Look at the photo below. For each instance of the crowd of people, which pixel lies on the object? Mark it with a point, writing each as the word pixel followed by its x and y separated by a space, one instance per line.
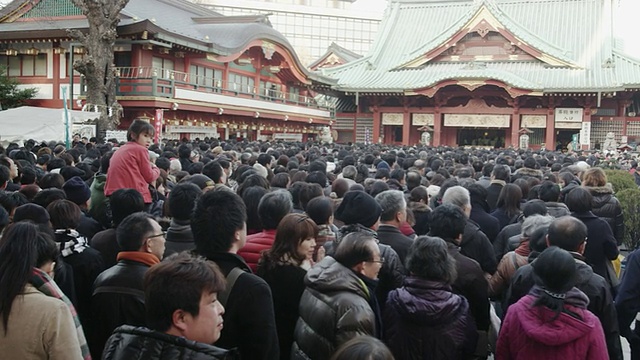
pixel 209 249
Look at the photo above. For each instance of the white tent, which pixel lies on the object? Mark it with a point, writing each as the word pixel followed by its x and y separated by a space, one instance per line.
pixel 40 124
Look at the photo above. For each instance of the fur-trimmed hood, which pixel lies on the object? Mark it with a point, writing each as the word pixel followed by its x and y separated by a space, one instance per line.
pixel 600 190
pixel 526 172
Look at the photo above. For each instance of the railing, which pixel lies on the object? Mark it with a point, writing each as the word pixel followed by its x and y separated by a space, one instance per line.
pixel 158 82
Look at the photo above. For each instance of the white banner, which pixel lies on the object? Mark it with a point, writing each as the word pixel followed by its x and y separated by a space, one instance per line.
pixel 585 133
pixel 569 114
pixel 473 120
pixel 119 135
pixel 191 129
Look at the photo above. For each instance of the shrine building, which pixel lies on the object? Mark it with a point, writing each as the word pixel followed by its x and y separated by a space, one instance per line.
pixel 479 73
pixel 205 73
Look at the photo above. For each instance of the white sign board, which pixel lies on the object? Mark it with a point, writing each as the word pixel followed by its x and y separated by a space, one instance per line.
pixel 569 114
pixel 189 129
pixel 287 137
pixel 84 130
pixel 585 134
pixel 119 135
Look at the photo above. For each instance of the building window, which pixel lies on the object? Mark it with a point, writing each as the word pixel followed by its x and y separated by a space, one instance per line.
pixel 270 90
pixel 25 65
pixel 122 59
pixel 206 77
pixel 241 83
pixel 164 67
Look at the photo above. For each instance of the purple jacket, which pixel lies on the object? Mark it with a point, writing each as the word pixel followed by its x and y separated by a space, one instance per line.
pixel 425 320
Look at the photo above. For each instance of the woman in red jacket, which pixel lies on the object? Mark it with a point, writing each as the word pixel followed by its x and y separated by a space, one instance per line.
pixel 552 321
pixel 130 166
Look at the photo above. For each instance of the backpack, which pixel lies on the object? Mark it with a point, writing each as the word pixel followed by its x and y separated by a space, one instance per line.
pixel 233 275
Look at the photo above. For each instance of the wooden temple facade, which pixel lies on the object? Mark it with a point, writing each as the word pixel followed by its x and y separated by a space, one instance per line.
pixel 207 74
pixel 478 73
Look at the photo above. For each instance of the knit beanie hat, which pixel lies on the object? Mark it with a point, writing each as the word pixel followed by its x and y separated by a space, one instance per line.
pixel 358 207
pixel 383 165
pixel 77 190
pixel 33 212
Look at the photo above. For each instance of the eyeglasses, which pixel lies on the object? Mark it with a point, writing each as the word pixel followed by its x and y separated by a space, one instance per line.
pixel 163 234
pixel 381 261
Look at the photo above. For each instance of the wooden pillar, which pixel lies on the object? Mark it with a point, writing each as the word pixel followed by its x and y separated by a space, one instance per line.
pixel 515 127
pixel 437 127
pixel 377 120
pixel 225 77
pixel 550 138
pixel 406 126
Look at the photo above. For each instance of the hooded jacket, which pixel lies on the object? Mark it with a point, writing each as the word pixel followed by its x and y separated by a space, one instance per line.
pixel 128 342
pixel 179 237
pixel 334 308
pixel 607 206
pixel 529 332
pixel 593 285
pixel 425 320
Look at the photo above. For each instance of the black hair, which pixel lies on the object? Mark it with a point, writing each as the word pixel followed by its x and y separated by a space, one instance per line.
pixel 308 192
pixel 555 271
pixel 178 283
pixel 363 348
pixel 292 231
pixel 64 214
pixel 579 200
pixel 509 200
pixel 549 191
pixel 138 127
pixel 215 220
pixel 47 196
pixel 5 175
pixel 131 232
pixel 124 202
pixel 501 172
pixel 182 200
pixel 280 180
pixel 11 200
pixel 317 177
pixel 447 221
pixel 273 207
pixel 213 170
pixel 320 209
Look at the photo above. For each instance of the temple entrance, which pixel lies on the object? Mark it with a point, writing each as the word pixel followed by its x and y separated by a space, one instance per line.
pixel 481 137
pixel 564 137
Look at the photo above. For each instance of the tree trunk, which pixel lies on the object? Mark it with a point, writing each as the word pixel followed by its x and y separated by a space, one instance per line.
pixel 97 65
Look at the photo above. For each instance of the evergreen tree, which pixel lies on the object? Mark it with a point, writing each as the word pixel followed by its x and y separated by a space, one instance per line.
pixel 11 95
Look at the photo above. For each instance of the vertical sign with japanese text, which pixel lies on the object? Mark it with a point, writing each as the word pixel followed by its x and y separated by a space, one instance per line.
pixel 157 125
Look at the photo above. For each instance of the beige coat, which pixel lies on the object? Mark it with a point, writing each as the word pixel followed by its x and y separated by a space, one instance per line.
pixel 40 327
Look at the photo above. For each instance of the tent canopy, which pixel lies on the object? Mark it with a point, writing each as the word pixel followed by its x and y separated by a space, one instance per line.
pixel 40 124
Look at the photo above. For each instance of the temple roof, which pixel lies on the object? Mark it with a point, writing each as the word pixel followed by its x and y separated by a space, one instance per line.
pixel 334 56
pixel 565 45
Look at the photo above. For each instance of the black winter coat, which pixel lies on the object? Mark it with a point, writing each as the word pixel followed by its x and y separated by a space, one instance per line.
pixel 391 235
pixel 179 237
pixel 501 245
pixel 487 223
pixel 249 320
pixel 139 343
pixel 426 320
pixel 421 213
pixel 493 192
pixel 593 285
pixel 118 299
pixel 607 206
pixel 601 244
pixel 477 246
pixel 334 308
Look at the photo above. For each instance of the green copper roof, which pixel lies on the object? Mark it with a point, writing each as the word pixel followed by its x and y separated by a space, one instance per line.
pixel 576 32
pixel 52 8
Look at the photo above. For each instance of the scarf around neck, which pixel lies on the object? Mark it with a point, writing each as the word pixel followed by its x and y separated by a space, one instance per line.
pixel 74 243
pixel 45 284
pixel 139 256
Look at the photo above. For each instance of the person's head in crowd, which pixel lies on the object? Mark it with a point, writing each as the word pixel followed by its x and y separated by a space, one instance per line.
pixel 28 176
pixel 317 177
pixel 11 200
pixel 399 175
pixel 533 223
pixel 273 207
pixel 419 195
pixel 318 165
pixel 215 172
pixel 487 169
pixel 376 187
pixel 141 232
pixel 308 192
pixel 280 181
pixel 251 197
pixel 320 210
pixel 565 178
pixel 579 200
pixel 182 200
pixel 538 239
pixel 339 187
pixel 64 215
pixel 283 160
pixel 4 177
pixel 358 207
pixel 394 207
pixel 163 163
pixel 11 165
pixel 363 348
pixel 555 167
pixel 201 181
pixel 294 242
pixel 184 152
pixel 568 233
pixel 549 191
pixel 448 221
pixel 32 212
pixel 363 173
pixel 382 174
pixel 534 207
pixel 429 259
pixel 265 160
pixel 458 196
pixel 413 180
pixel 501 172
pixel 77 191
pixel 195 168
pixel 56 164
pixel 359 252
pixel 47 196
pixel 253 180
pixel 509 199
pixel 124 202
pixel 175 166
pixel 349 172
pixel 555 271
pixel 218 223
pixel 477 194
pixel 67 158
pixel 299 176
pixel 594 177
pixel 181 298
pixel 68 172
pixel 464 172
pixel 523 184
